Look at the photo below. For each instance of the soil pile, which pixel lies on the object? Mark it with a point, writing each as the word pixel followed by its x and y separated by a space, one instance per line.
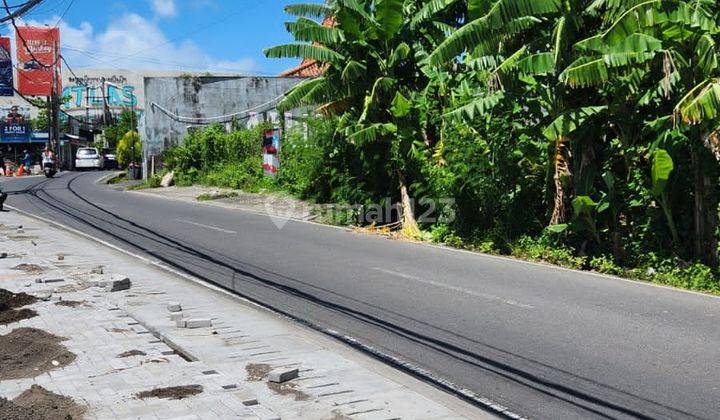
pixel 29 268
pixel 12 315
pixel 9 301
pixel 257 371
pixel 37 403
pixel 72 303
pixel 28 352
pixel 173 392
pixel 131 353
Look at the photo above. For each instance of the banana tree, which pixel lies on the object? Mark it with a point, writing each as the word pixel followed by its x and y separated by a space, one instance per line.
pixel 669 47
pixel 521 41
pixel 373 57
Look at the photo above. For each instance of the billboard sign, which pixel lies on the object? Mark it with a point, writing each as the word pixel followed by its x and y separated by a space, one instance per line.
pixel 6 68
pixel 15 127
pixel 37 58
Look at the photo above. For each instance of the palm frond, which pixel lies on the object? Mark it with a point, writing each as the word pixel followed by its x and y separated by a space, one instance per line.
pixel 314 52
pixel 478 36
pixel 570 121
pixel 310 31
pixel 353 70
pixel 294 97
pixel 309 9
pixel 373 132
pixel 389 15
pixel 706 52
pixel 479 106
pixel 400 53
pixel 655 13
pixel 428 10
pixel 702 103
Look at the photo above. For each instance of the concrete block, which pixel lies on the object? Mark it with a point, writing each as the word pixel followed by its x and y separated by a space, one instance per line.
pixel 167 179
pixel 198 323
pixel 117 284
pixel 281 375
pixel 181 323
pixel 176 316
pixel 49 280
pixel 44 295
pixel 174 307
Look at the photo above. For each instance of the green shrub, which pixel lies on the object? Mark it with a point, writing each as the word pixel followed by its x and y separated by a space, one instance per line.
pixel 605 265
pixel 541 249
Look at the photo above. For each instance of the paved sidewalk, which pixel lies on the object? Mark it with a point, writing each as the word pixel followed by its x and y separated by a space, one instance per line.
pixel 125 342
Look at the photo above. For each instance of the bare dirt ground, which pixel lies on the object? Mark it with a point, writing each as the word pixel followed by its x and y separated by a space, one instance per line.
pixel 9 302
pixel 131 353
pixel 28 352
pixel 172 393
pixel 37 403
pixel 29 268
pixel 257 371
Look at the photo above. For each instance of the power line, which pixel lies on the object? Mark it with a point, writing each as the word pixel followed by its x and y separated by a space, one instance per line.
pixel 77 79
pixel 21 9
pixel 94 55
pixel 64 13
pixel 219 118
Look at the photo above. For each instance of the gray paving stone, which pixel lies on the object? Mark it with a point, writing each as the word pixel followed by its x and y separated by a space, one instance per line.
pixel 281 375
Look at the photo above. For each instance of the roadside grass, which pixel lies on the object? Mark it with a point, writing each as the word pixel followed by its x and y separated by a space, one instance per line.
pixel 118 179
pixel 217 196
pixel 151 182
pixel 652 268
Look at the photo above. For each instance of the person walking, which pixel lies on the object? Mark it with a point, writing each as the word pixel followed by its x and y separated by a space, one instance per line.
pixel 27 161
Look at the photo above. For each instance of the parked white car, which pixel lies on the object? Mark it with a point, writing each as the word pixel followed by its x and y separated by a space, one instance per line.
pixel 89 158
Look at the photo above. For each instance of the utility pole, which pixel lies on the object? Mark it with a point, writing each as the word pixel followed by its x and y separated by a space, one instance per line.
pixel 54 111
pixel 107 117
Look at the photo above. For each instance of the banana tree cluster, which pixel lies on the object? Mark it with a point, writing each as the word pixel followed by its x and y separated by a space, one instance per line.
pixel 373 54
pixel 625 96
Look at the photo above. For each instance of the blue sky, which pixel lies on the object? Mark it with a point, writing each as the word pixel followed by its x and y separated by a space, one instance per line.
pixel 185 35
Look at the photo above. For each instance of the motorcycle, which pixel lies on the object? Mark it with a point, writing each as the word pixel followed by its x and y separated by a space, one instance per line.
pixel 49 167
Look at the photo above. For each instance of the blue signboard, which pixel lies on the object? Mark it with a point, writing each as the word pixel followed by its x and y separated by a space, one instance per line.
pixel 15 133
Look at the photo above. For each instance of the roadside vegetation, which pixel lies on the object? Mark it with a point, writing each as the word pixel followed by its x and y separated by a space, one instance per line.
pixel 583 134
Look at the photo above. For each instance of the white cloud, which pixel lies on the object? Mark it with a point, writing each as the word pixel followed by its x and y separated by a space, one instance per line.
pixel 134 42
pixel 164 8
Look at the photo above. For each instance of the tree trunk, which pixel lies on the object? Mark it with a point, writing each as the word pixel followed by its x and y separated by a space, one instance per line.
pixel 698 203
pixel 410 228
pixel 561 177
pixel 705 207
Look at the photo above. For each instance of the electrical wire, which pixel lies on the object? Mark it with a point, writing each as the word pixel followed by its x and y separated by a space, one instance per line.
pixel 77 79
pixel 21 10
pixel 216 119
pixel 64 13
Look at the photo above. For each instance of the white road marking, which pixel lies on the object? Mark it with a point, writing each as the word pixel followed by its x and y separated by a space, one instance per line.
pixel 455 288
pixel 205 226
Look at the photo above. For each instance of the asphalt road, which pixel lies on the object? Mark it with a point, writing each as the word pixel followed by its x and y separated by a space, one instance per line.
pixel 544 342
